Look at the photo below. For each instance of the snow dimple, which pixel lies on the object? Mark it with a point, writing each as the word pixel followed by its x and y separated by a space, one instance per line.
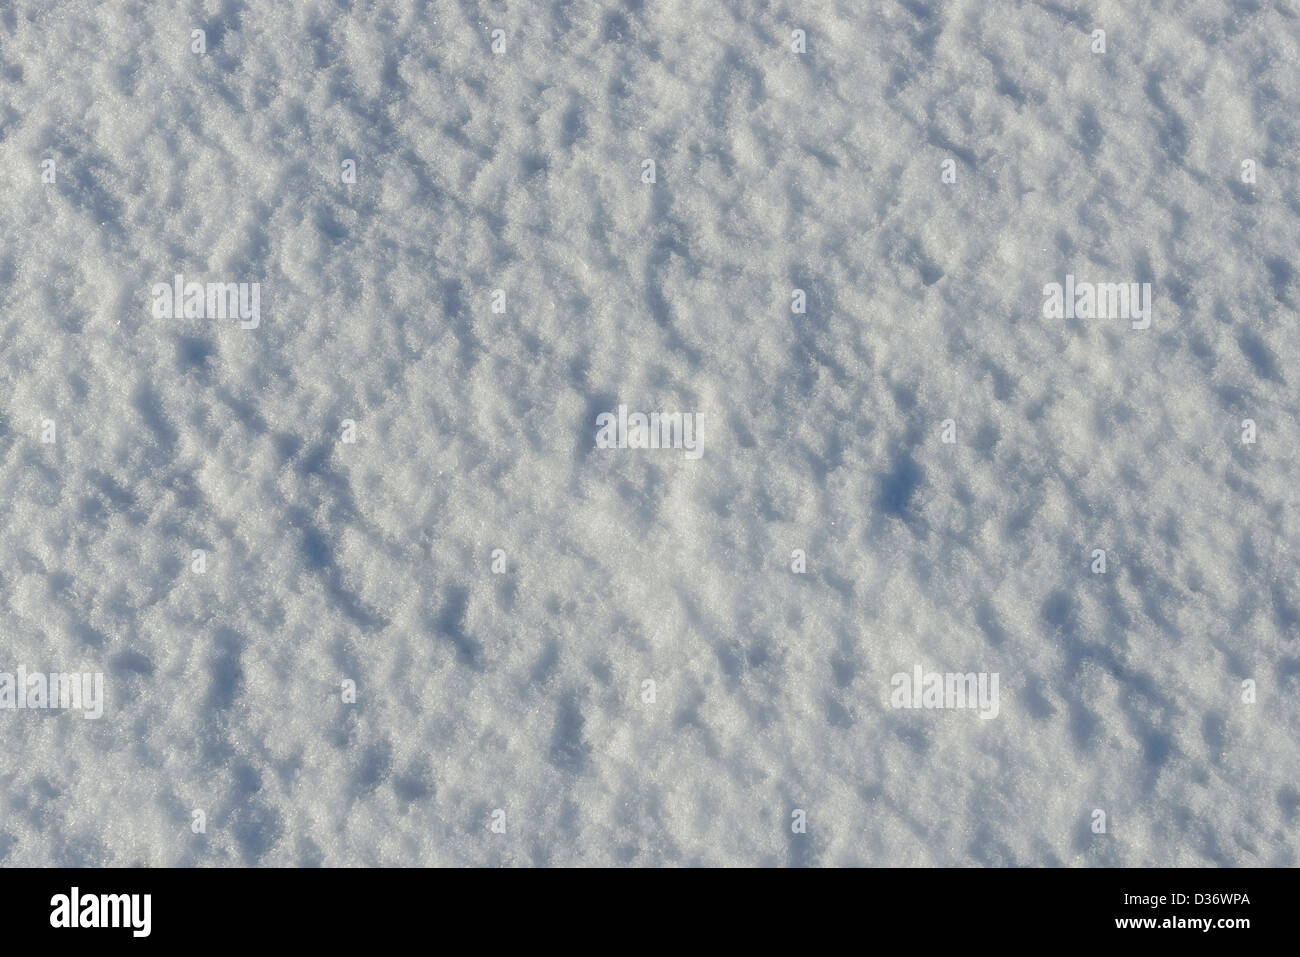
pixel 899 485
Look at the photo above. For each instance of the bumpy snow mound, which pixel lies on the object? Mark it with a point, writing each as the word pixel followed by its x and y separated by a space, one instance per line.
pixel 522 169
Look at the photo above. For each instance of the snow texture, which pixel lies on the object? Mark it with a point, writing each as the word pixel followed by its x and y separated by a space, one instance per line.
pixel 522 170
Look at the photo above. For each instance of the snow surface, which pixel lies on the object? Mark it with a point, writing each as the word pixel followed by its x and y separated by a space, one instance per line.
pixel 775 170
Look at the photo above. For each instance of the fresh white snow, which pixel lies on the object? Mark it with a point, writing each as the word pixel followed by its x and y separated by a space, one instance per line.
pixel 348 467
